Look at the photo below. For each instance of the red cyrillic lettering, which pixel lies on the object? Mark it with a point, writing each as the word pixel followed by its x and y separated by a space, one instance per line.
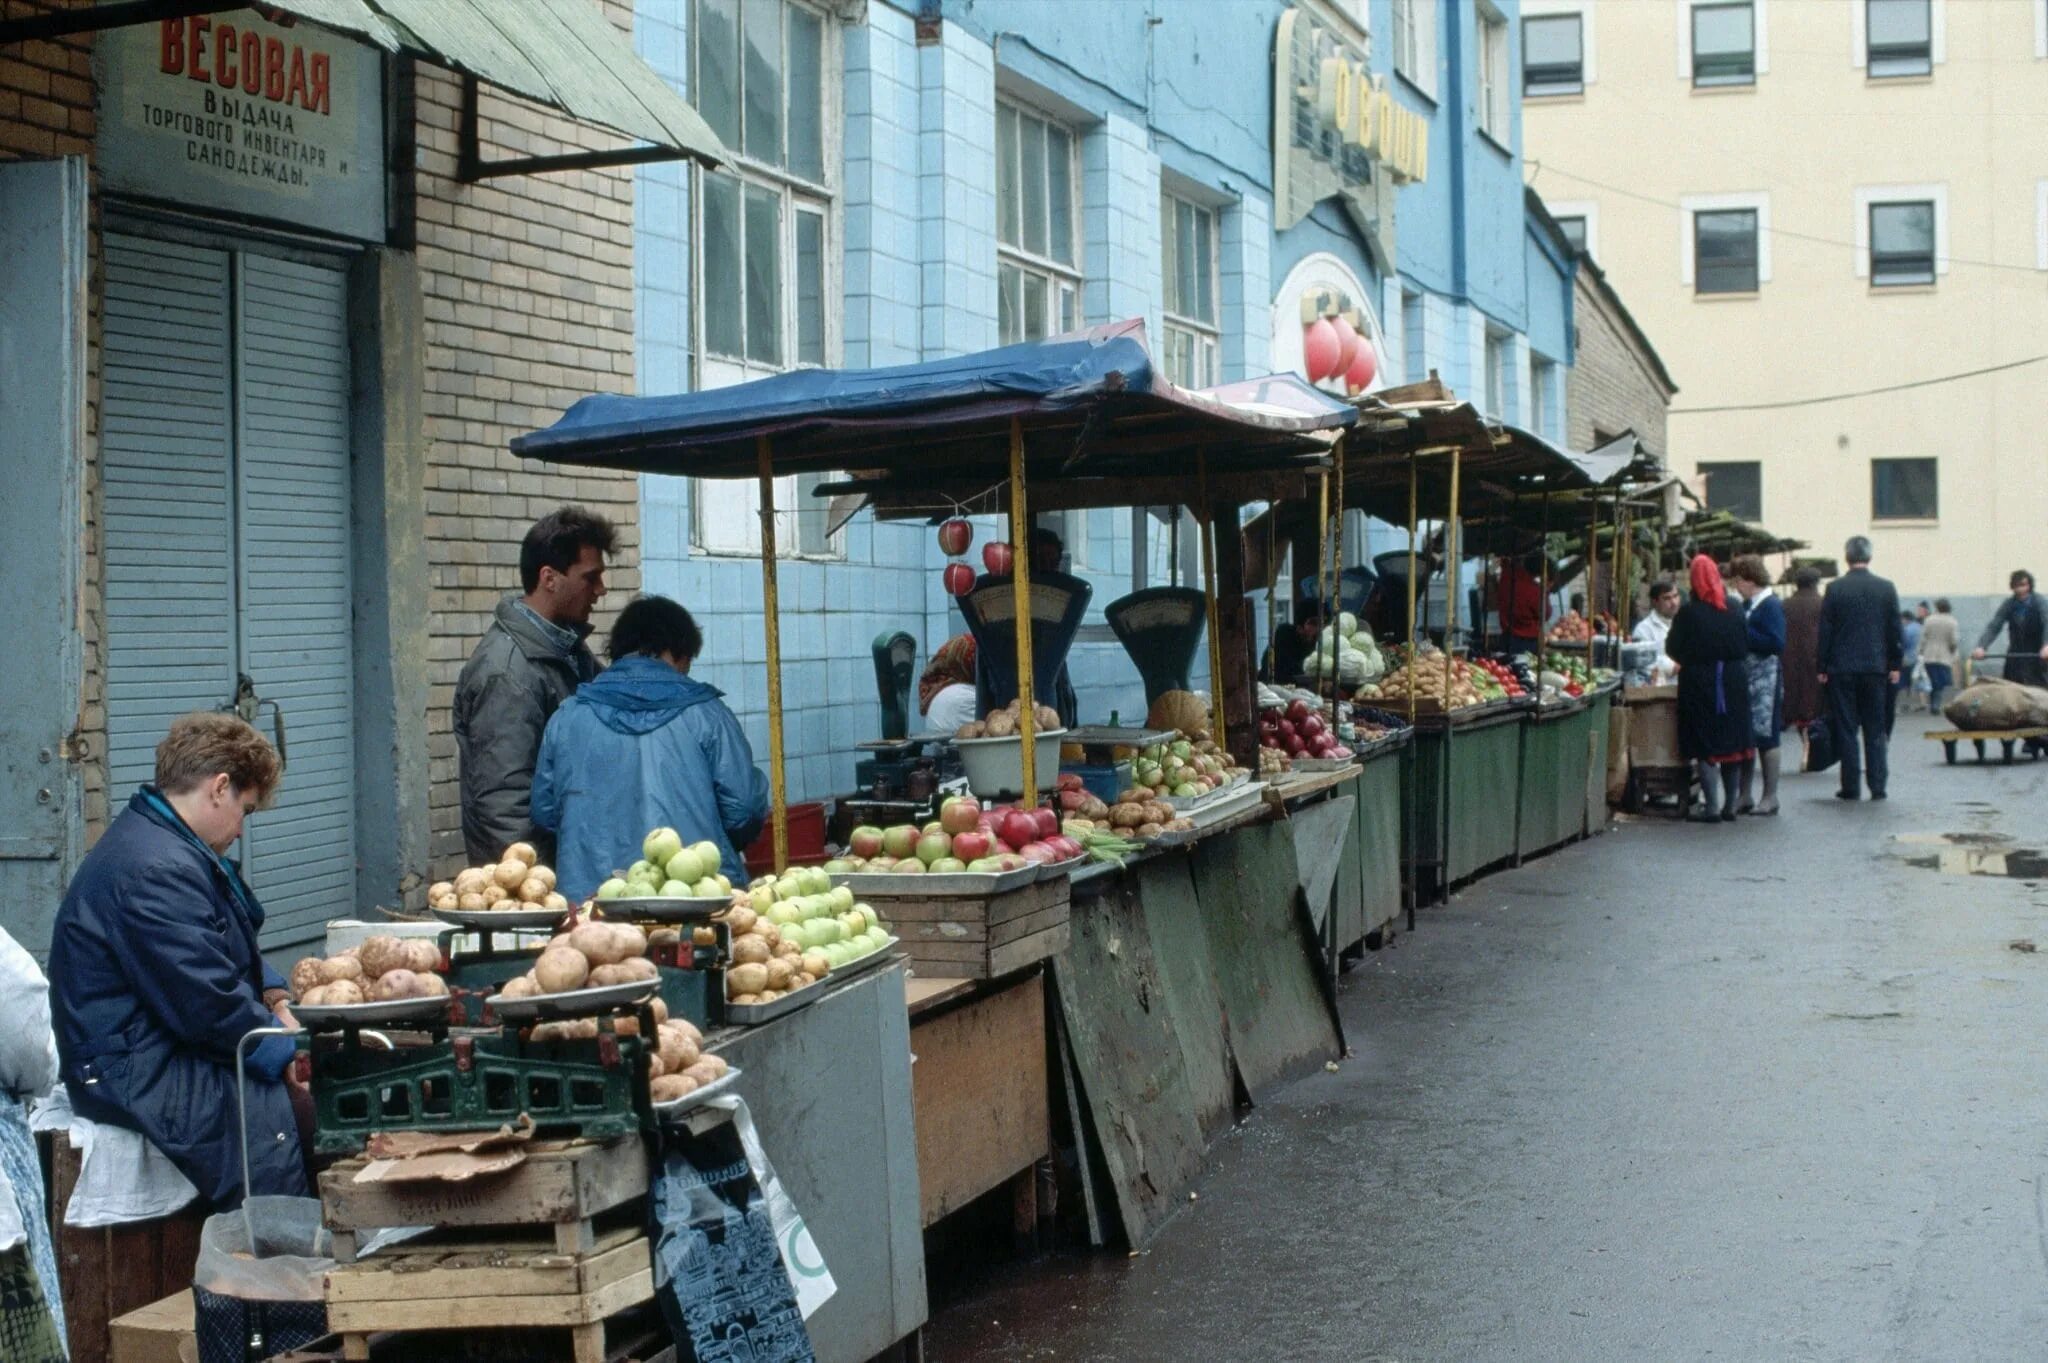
pixel 320 74
pixel 252 60
pixel 296 92
pixel 224 56
pixel 273 69
pixel 196 44
pixel 171 34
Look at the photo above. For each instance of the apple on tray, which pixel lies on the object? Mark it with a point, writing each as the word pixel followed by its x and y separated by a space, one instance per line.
pixel 865 842
pixel 900 841
pixel 960 814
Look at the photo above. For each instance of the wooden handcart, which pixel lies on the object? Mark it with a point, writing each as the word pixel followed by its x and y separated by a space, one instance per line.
pixel 2005 738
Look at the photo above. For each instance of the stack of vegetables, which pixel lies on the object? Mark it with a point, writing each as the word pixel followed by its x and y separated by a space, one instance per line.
pixel 1564 675
pixel 1186 768
pixel 1347 653
pixel 1423 676
pixel 1296 730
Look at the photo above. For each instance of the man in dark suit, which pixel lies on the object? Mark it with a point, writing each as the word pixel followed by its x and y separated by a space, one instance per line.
pixel 1861 651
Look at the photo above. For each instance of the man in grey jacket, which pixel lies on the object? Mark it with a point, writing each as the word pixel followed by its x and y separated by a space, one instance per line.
pixel 529 661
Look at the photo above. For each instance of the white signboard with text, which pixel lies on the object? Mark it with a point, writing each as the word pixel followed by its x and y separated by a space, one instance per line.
pixel 235 113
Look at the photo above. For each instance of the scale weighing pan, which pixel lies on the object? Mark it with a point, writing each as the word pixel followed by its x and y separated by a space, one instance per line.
pixel 753 1014
pixel 496 920
pixel 678 910
pixel 573 1003
pixel 674 1108
pixel 330 1017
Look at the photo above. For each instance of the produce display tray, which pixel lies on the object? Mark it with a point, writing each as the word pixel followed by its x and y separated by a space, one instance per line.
pixel 332 1017
pixel 676 1108
pixel 1103 736
pixel 1219 808
pixel 693 910
pixel 754 1014
pixel 502 920
pixel 1385 743
pixel 1188 804
pixel 946 883
pixel 574 1003
pixel 1325 763
pixel 1052 870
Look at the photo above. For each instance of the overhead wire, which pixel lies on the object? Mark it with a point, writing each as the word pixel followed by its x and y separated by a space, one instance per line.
pixel 1861 392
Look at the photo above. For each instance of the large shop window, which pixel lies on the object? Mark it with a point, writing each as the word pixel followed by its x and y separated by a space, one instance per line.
pixel 1188 248
pixel 1904 489
pixel 1724 251
pixel 1494 92
pixel 1899 37
pixel 1553 54
pixel 1038 277
pixel 1724 44
pixel 767 234
pixel 1735 486
pixel 1902 243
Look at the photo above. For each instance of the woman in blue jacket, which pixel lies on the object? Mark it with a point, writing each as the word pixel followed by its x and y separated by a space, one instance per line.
pixel 645 746
pixel 155 973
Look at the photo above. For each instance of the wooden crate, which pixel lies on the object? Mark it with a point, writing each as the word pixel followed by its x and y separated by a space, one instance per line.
pixel 562 1185
pixel 978 937
pixel 439 1287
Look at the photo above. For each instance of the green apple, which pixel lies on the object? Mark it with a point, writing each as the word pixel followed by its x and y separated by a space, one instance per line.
pixel 842 898
pixel 788 887
pixel 816 881
pixel 662 844
pixel 611 889
pixel 762 897
pixel 782 913
pixel 674 889
pixel 708 853
pixel 644 870
pixel 724 885
pixel 852 922
pixel 687 867
pixel 873 919
pixel 707 888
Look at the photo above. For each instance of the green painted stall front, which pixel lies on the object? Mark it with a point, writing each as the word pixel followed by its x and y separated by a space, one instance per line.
pixel 1466 823
pixel 1370 882
pixel 1599 718
pixel 1555 749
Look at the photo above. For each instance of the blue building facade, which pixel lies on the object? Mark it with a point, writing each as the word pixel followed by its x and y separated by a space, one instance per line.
pixel 920 181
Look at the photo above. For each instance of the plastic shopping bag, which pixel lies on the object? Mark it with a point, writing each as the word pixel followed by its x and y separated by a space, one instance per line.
pixel 257 1299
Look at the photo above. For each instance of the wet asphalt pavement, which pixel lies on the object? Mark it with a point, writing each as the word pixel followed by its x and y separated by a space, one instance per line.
pixel 1760 1092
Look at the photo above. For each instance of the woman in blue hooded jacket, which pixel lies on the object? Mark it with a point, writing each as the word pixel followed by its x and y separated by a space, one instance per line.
pixel 645 746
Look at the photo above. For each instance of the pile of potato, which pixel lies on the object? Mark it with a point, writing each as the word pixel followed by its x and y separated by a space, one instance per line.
pixel 381 969
pixel 765 964
pixel 586 957
pixel 1424 678
pixel 1004 723
pixel 517 882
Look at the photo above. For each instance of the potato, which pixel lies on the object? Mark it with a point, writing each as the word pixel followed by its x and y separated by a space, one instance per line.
pixel 767 932
pixel 306 974
pixel 700 937
pixel 802 978
pixel 815 965
pixel 670 1087
pixel 685 1027
pixel 707 1069
pixel 637 968
pixel 744 998
pixel 740 920
pixel 444 901
pixel 655 1069
pixel 631 940
pixel 561 969
pixel 431 985
pixel 626 1026
pixel 341 968
pixel 519 987
pixel 658 1008
pixel 560 939
pixel 779 975
pixel 770 995
pixel 751 949
pixel 473 902
pixel 494 895
pixel 678 1053
pixel 665 937
pixel 551 900
pixel 786 950
pixel 440 888
pixel 422 954
pixel 379 954
pixel 396 984
pixel 522 851
pixel 345 992
pixel 314 996
pixel 510 875
pixel 749 978
pixel 603 975
pixel 596 942
pixel 531 890
pixel 544 874
pixel 472 881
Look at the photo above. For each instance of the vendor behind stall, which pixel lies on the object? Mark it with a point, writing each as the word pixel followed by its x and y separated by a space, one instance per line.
pixel 945 693
pixel 1293 641
pixel 157 975
pixel 645 746
pixel 1523 608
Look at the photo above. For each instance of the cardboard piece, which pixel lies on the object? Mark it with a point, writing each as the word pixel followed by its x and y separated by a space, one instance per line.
pixel 412 1144
pixel 153 1333
pixel 446 1166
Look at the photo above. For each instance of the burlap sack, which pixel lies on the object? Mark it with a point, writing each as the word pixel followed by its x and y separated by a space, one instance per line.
pixel 1992 704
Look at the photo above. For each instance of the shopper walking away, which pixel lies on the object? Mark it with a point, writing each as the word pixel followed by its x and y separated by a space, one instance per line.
pixel 2026 616
pixel 1861 650
pixel 531 659
pixel 1941 643
pixel 1803 700
pixel 1710 644
pixel 1764 618
pixel 1909 663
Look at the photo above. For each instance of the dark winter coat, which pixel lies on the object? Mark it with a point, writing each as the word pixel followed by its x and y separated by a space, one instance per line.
pixel 1860 630
pixel 1802 656
pixel 1711 648
pixel 509 689
pixel 154 976
pixel 2028 621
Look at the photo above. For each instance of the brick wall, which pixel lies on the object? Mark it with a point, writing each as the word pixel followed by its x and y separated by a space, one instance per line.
pixel 528 302
pixel 1611 387
pixel 46 110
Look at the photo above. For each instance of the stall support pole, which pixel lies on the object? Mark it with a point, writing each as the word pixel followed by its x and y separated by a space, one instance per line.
pixel 778 784
pixel 1205 519
pixel 1323 581
pixel 1543 612
pixel 1454 541
pixel 1410 890
pixel 1020 585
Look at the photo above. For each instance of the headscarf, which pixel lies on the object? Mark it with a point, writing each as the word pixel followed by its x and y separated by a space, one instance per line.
pixel 951 665
pixel 1706 583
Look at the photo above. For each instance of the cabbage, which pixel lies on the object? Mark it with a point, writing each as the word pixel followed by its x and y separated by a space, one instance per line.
pixel 1347 624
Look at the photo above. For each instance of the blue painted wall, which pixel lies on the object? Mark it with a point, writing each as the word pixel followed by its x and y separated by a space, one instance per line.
pixel 1190 95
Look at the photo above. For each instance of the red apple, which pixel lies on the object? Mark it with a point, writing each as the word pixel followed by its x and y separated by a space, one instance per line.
pixel 899 841
pixel 909 866
pixel 972 846
pixel 954 537
pixel 932 846
pixel 865 841
pixel 1311 727
pixel 995 556
pixel 959 579
pixel 1047 819
pixel 960 814
pixel 1010 861
pixel 1018 828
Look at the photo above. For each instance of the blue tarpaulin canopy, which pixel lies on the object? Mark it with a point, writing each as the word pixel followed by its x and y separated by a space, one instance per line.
pixel 1091 405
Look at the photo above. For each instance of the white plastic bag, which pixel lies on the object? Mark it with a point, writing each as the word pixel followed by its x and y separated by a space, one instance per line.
pixel 800 1257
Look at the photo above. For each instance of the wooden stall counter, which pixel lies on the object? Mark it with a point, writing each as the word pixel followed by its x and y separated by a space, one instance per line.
pixel 983 1102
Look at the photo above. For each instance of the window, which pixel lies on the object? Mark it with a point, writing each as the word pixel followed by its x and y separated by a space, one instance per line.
pixel 1543 399
pixel 1899 37
pixel 1415 43
pixel 766 235
pixel 1496 374
pixel 1574 228
pixel 1724 44
pixel 1901 243
pixel 1038 287
pixel 1724 251
pixel 1188 254
pixel 1415 338
pixel 1903 490
pixel 1736 487
pixel 1553 54
pixel 1493 76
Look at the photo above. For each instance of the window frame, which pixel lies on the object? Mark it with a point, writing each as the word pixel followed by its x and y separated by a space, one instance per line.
pixel 1867 50
pixel 1060 281
pixel 1751 511
pixel 1496 76
pixel 1543 404
pixel 1586 211
pixel 1868 195
pixel 1205 336
pixel 1733 80
pixel 1755 251
pixel 1692 204
pixel 1918 278
pixel 1415 45
pixel 731 503
pixel 1565 79
pixel 1879 517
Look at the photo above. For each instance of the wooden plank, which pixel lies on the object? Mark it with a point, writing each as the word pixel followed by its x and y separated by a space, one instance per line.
pixel 980 1087
pixel 482 1312
pixel 1001 933
pixel 1194 1008
pixel 1025 951
pixel 928 992
pixel 566 1184
pixel 1320 831
pixel 433 1275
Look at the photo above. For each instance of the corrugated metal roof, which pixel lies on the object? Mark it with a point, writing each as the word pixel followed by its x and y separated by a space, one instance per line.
pixel 561 53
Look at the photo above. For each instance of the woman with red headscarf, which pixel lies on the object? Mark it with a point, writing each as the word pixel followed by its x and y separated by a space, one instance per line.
pixel 945 693
pixel 1710 644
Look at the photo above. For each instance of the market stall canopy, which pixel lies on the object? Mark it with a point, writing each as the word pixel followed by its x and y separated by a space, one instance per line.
pixel 1721 536
pixel 561 53
pixel 1501 468
pixel 1099 422
pixel 1621 462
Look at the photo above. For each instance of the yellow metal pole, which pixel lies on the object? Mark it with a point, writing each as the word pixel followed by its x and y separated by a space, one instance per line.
pixel 778 783
pixel 1454 544
pixel 1323 566
pixel 1206 520
pixel 1413 673
pixel 1336 592
pixel 1020 584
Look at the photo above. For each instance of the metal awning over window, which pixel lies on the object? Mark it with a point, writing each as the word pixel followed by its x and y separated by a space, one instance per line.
pixel 561 53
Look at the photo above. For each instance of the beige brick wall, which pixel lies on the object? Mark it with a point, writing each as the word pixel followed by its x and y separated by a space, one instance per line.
pixel 528 285
pixel 46 110
pixel 1612 386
